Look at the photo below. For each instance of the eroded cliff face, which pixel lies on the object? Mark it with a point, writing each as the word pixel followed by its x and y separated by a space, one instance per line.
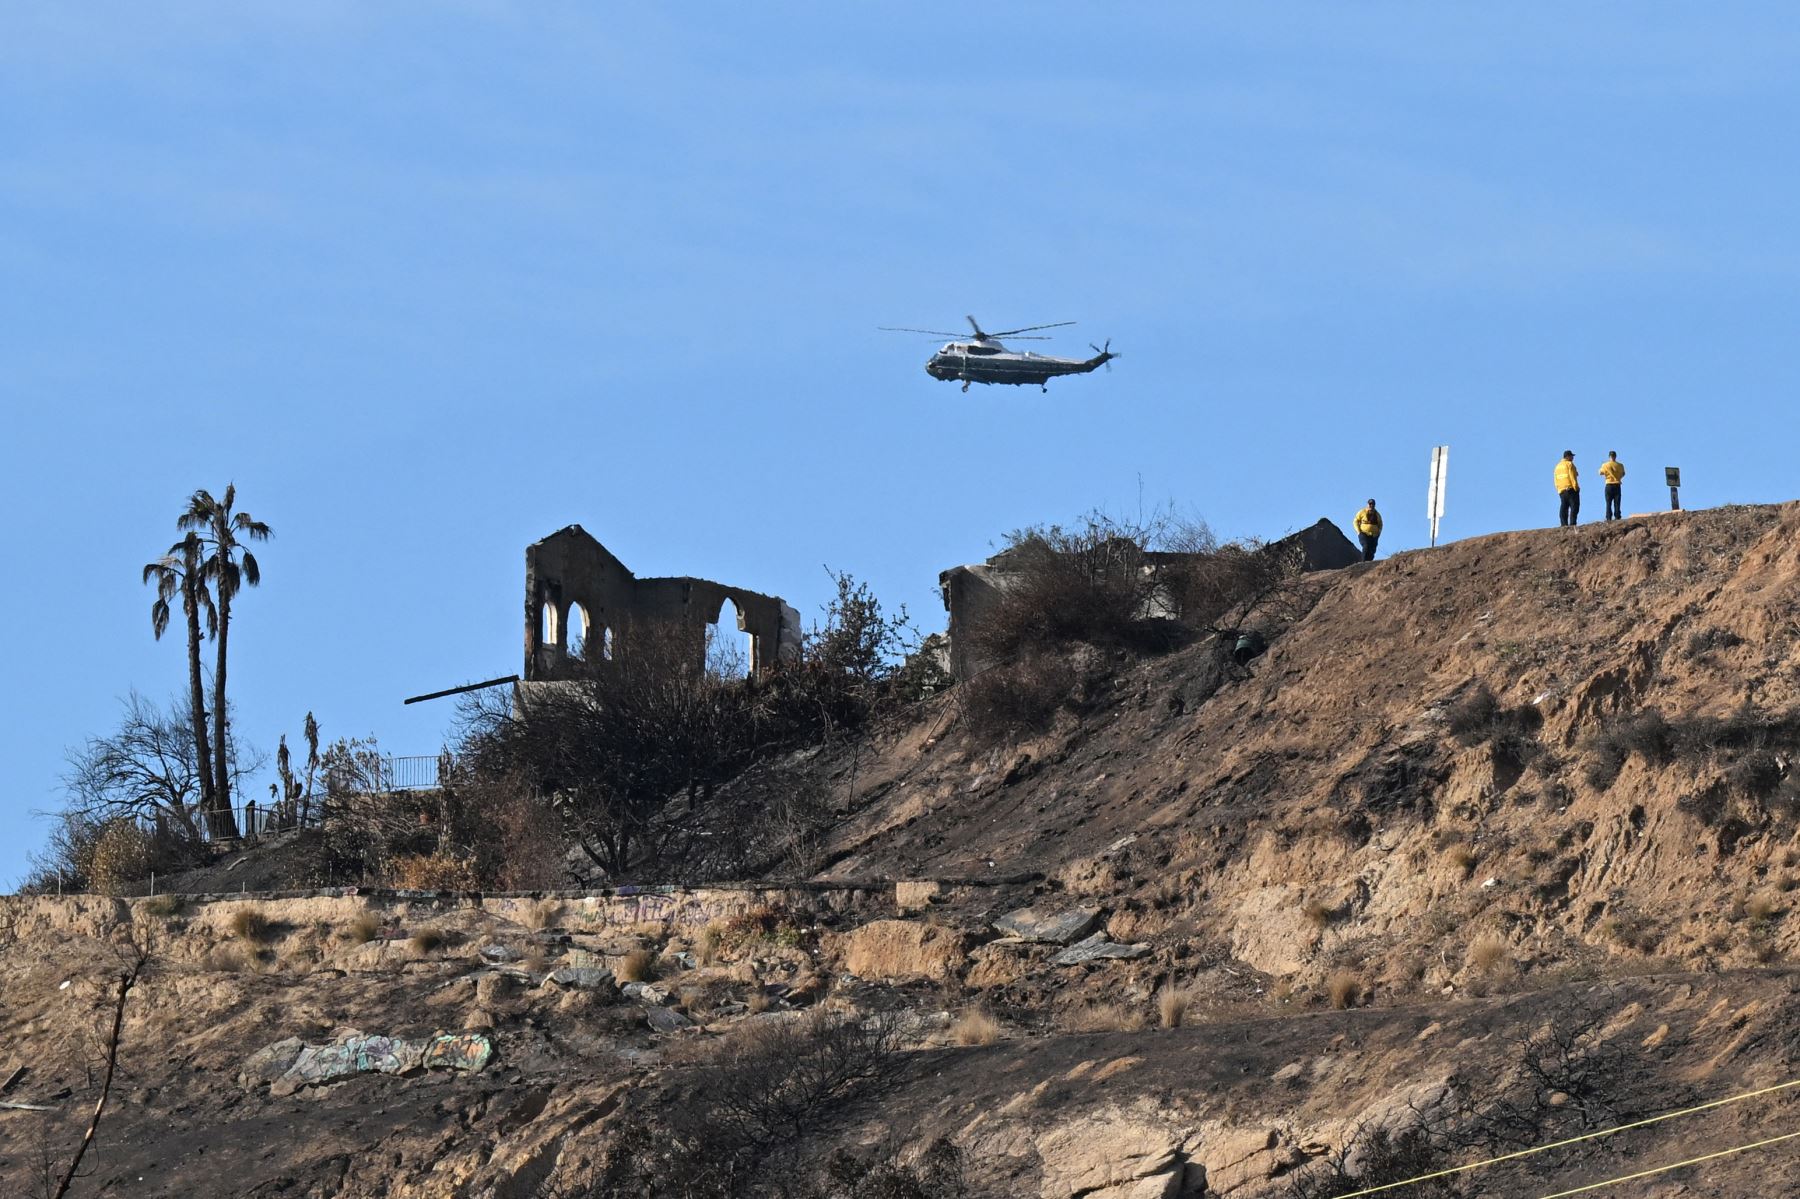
pixel 1430 828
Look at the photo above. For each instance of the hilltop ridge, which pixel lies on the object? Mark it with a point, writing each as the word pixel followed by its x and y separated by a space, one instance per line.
pixel 1497 840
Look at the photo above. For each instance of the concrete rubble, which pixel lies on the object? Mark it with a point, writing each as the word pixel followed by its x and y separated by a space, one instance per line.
pixel 1097 948
pixel 1062 928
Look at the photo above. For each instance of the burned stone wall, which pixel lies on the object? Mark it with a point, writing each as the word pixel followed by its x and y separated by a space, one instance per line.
pixel 574 585
pixel 971 591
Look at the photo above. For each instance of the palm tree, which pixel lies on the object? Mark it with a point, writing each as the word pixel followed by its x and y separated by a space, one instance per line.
pixel 228 566
pixel 177 573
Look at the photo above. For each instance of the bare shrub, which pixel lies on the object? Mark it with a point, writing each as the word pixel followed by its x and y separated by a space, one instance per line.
pixel 163 906
pixel 975 1027
pixel 1765 905
pixel 1479 718
pixel 1646 733
pixel 1020 696
pixel 1488 954
pixel 436 871
pixel 769 1083
pixel 362 930
pixel 124 854
pixel 1344 988
pixel 428 940
pixel 250 925
pixel 1461 858
pixel 1172 1004
pixel 230 959
pixel 1708 640
pixel 706 948
pixel 546 913
pixel 638 966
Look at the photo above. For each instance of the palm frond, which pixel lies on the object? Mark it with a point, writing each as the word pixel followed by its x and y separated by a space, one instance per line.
pixel 159 617
pixel 252 574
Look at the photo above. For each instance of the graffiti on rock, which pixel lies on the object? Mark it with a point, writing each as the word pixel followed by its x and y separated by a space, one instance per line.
pixel 290 1064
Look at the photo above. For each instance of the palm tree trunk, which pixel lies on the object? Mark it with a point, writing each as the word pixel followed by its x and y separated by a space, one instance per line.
pixel 221 779
pixel 190 604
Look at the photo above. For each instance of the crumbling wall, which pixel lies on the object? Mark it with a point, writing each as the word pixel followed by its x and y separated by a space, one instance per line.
pixel 570 569
pixel 971 591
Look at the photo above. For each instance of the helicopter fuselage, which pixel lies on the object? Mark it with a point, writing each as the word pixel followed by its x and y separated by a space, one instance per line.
pixel 990 362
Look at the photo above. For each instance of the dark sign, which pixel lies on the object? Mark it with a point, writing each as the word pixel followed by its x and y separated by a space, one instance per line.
pixel 1672 475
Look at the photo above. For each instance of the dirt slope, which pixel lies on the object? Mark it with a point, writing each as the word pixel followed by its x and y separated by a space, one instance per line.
pixel 1344 825
pixel 1321 811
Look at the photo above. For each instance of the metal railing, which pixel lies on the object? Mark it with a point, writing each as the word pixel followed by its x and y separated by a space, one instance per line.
pixel 417 773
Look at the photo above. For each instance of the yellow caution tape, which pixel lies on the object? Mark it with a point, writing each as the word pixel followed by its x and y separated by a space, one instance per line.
pixel 1692 1161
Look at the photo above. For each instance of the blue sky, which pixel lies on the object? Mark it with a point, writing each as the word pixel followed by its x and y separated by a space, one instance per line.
pixel 429 282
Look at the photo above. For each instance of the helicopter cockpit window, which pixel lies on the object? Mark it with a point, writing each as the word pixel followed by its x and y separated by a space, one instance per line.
pixel 983 350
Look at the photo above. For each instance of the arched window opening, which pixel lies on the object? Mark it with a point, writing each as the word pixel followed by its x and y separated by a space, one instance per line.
pixel 577 631
pixel 548 633
pixel 606 643
pixel 727 646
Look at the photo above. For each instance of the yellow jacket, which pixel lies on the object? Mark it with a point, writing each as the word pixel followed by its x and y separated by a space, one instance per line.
pixel 1566 478
pixel 1369 521
pixel 1612 470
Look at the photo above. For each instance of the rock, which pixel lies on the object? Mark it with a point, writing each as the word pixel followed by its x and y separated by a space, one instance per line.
pixel 314 1065
pixel 581 978
pixel 499 955
pixel 1112 1158
pixel 685 960
pixel 1097 948
pixel 1245 1157
pixel 1287 1073
pixel 904 949
pixel 1063 928
pixel 667 1019
pixel 270 1062
pixel 910 897
pixel 496 989
pixel 649 994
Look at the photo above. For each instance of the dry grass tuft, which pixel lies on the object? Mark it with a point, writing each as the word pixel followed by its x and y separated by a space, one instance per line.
pixel 428 940
pixel 638 966
pixel 435 872
pixel 1488 954
pixel 248 924
pixel 1763 906
pixel 706 949
pixel 362 930
pixel 1172 1005
pixel 163 906
pixel 758 1000
pixel 1344 988
pixel 543 914
pixel 230 959
pixel 1105 1017
pixel 1462 857
pixel 1316 912
pixel 975 1027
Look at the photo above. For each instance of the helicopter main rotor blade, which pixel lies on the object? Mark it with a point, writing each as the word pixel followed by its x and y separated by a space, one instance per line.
pixel 979 335
pixel 929 332
pixel 1027 328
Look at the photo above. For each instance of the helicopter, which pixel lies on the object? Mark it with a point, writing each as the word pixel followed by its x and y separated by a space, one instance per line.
pixel 982 359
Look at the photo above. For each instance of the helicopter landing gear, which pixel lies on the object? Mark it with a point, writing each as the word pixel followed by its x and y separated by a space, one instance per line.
pixel 1044 387
pixel 965 385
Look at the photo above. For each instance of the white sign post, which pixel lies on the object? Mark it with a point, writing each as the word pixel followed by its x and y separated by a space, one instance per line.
pixel 1434 498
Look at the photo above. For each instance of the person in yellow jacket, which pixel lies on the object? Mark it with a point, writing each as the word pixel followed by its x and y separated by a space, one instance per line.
pixel 1568 486
pixel 1613 471
pixel 1368 530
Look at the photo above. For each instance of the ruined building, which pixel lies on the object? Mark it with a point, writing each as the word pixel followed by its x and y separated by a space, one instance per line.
pixel 575 589
pixel 970 591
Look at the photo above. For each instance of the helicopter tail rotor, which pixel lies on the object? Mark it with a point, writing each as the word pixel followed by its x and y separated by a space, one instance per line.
pixel 1103 355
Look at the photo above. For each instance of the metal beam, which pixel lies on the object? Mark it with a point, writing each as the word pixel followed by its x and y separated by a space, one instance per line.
pixel 511 678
